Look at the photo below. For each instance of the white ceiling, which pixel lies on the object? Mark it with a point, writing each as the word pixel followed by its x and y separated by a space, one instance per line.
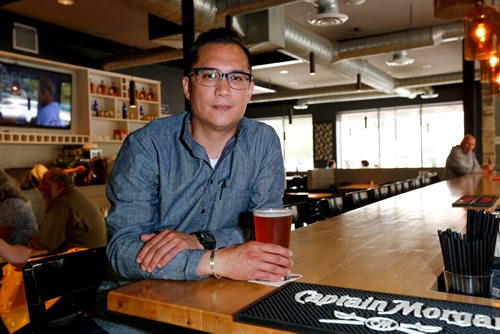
pixel 115 21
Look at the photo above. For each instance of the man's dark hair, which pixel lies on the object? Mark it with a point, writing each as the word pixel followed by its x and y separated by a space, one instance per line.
pixel 59 176
pixel 217 36
pixel 47 85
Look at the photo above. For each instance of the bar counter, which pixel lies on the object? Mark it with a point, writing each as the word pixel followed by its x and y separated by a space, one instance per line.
pixel 389 246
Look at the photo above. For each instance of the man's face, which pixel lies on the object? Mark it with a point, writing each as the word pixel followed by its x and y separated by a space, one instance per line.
pixel 219 107
pixel 44 97
pixel 48 188
pixel 468 144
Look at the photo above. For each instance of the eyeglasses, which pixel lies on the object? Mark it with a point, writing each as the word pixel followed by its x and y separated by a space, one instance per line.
pixel 209 77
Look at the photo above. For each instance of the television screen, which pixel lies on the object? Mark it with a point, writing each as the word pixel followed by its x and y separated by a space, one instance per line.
pixel 33 97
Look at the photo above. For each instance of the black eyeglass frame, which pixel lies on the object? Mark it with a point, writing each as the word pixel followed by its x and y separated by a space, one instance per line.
pixel 222 75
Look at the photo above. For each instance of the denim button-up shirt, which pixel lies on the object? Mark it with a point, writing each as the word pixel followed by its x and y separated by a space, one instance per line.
pixel 162 179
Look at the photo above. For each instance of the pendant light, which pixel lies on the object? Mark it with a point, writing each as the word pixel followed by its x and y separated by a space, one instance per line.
pixel 490 73
pixel 482 30
pixel 131 90
pixel 312 64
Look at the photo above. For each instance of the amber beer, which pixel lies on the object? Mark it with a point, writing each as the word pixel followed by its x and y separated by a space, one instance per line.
pixel 273 226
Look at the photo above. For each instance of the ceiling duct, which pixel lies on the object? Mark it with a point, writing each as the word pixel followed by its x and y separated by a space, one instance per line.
pixel 299 42
pixel 347 97
pixel 208 14
pixel 330 94
pixel 263 30
pixel 328 14
pixel 308 93
pixel 398 41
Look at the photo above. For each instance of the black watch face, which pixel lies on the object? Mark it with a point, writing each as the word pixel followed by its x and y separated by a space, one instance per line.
pixel 207 239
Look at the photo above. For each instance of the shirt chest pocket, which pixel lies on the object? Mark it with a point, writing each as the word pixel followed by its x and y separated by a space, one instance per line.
pixel 234 194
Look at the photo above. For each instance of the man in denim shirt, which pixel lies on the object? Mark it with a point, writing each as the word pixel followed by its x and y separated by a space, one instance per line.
pixel 181 185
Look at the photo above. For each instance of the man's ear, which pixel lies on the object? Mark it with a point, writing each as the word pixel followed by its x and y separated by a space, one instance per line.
pixel 250 91
pixel 186 87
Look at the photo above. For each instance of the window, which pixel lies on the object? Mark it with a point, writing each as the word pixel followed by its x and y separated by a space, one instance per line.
pixel 296 141
pixel 406 137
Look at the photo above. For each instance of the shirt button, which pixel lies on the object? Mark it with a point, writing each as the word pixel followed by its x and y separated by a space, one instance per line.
pixel 211 181
pixel 203 211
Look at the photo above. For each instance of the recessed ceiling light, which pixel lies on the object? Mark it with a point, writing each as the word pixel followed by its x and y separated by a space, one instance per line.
pixel 65 2
pixel 429 93
pixel 300 106
pixel 283 72
pixel 327 19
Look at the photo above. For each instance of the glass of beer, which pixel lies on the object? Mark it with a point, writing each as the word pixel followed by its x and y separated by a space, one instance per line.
pixel 273 226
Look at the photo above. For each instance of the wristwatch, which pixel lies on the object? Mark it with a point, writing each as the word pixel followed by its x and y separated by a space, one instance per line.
pixel 206 238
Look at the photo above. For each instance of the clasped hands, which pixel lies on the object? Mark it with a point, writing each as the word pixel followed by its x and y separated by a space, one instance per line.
pixel 247 261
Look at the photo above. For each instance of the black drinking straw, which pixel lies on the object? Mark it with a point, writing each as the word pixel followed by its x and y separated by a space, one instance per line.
pixel 472 253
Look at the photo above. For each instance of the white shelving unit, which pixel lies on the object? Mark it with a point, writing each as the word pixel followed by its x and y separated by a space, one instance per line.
pixel 109 96
pixel 106 124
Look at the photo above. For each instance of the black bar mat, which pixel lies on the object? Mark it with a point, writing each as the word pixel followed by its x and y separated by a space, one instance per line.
pixel 299 307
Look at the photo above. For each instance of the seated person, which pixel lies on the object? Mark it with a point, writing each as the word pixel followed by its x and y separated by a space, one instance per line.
pixel 70 219
pixel 14 254
pixel 17 220
pixel 98 170
pixel 91 173
pixel 182 186
pixel 462 160
pixel 48 108
pixel 81 172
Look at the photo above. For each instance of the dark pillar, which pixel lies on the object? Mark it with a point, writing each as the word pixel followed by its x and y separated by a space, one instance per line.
pixel 472 106
pixel 187 35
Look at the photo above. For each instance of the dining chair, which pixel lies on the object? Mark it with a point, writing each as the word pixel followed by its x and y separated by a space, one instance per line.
pixel 384 192
pixel 358 198
pixel 292 198
pixel 301 214
pixel 399 187
pixel 73 276
pixel 374 194
pixel 338 204
pixel 405 186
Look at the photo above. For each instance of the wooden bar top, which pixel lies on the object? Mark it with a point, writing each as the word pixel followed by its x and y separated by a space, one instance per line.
pixel 389 246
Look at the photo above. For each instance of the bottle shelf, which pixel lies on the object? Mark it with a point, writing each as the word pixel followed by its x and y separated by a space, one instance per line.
pixel 111 118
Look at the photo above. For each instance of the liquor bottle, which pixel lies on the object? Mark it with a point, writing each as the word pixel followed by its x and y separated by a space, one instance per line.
pixel 91 86
pixel 141 113
pixel 95 109
pixel 113 90
pixel 124 110
pixel 151 95
pixel 101 88
pixel 142 95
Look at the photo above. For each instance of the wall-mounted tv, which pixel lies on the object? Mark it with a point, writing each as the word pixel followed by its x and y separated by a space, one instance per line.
pixel 34 97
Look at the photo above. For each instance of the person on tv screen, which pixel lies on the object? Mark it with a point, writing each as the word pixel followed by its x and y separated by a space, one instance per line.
pixel 48 108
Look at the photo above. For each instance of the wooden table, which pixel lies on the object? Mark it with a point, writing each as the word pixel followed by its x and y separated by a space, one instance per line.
pixel 310 195
pixel 356 186
pixel 389 246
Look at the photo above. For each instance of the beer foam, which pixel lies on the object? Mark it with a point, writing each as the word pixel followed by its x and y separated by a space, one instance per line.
pixel 271 213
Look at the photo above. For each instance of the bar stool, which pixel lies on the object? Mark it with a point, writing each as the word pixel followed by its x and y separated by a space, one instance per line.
pixel 384 192
pixel 301 214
